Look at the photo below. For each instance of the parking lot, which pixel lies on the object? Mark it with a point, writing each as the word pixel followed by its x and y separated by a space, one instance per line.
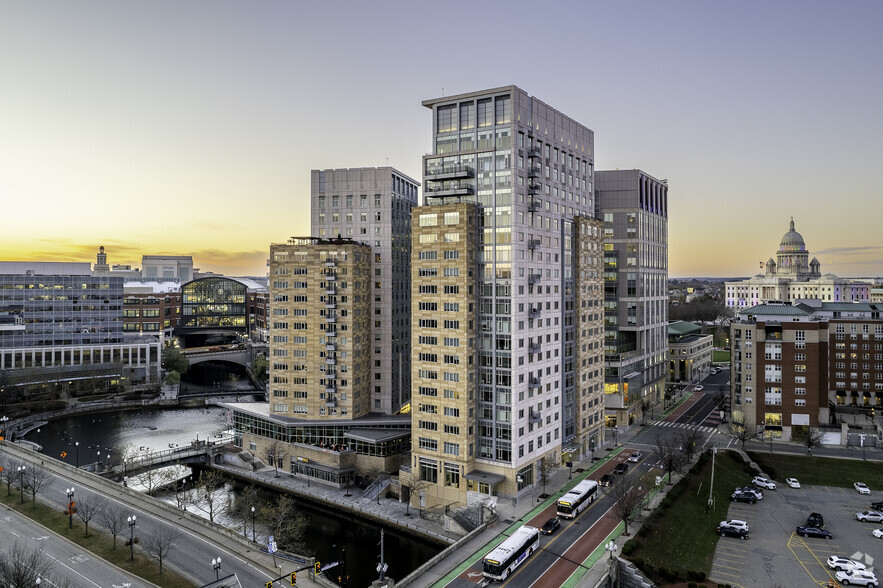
pixel 775 556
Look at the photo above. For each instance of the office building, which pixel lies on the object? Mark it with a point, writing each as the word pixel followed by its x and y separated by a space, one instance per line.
pixel 689 352
pixel 373 206
pixel 164 268
pixel 634 207
pixel 495 297
pixel 794 277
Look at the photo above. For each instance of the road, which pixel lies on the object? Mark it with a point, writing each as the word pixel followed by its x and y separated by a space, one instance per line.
pixel 65 559
pixel 192 552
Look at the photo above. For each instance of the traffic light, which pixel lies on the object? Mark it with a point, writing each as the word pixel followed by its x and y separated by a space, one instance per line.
pixel 293 578
pixel 318 568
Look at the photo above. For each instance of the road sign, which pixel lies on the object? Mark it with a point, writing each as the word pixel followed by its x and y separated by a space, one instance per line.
pixel 63 454
pixel 271 545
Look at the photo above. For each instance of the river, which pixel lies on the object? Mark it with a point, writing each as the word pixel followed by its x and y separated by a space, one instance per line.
pixel 329 533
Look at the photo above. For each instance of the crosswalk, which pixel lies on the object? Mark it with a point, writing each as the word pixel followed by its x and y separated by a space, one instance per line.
pixel 703 428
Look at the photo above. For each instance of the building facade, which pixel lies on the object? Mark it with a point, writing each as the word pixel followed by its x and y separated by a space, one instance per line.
pixel 526 170
pixel 793 276
pixel 634 207
pixel 164 268
pixel 689 352
pixel 373 206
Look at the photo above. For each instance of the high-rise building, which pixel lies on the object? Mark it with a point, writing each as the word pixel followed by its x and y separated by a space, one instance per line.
pixel 373 206
pixel 634 207
pixel 498 298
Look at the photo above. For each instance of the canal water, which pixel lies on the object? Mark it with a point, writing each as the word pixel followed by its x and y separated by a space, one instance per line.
pixel 331 535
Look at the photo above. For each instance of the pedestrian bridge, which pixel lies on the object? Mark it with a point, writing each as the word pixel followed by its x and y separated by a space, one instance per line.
pixel 198 452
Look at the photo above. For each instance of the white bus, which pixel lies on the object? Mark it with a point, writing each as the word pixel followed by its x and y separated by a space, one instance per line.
pixel 509 554
pixel 581 496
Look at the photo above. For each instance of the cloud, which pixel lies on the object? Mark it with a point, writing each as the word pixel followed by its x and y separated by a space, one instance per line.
pixel 849 250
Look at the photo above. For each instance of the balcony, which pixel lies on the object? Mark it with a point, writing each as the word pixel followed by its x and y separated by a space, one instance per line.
pixel 534 171
pixel 534 206
pixel 331 333
pixel 533 311
pixel 330 361
pixel 331 403
pixel 535 152
pixel 331 318
pixel 535 416
pixel 330 389
pixel 330 289
pixel 534 243
pixel 330 263
pixel 451 172
pixel 440 191
pixel 534 348
pixel 331 304
pixel 330 346
pixel 331 277
pixel 535 383
pixel 534 278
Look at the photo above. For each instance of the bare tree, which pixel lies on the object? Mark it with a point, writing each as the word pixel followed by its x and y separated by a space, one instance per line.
pixel 113 518
pixel 88 508
pixel 240 505
pixel 208 495
pixel 22 566
pixel 8 472
pixel 276 452
pixel 416 487
pixel 547 468
pixel 36 479
pixel 670 455
pixel 284 521
pixel 628 494
pixel 688 438
pixel 158 544
pixel 813 438
pixel 742 432
pixel 154 479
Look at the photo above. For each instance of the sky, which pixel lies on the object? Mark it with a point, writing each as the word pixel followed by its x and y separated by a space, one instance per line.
pixel 190 128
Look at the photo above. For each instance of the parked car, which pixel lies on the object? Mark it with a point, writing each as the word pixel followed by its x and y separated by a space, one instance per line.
pixel 841 563
pixel 621 468
pixel 605 480
pixel 878 533
pixel 814 532
pixel 743 497
pixel 636 457
pixel 758 493
pixel 861 488
pixel 857 577
pixel 869 516
pixel 734 523
pixel 792 482
pixel 763 482
pixel 877 506
pixel 815 520
pixel 728 531
pixel 551 526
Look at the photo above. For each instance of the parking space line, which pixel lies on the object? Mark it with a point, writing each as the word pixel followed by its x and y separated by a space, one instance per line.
pixel 797 542
pixel 726 567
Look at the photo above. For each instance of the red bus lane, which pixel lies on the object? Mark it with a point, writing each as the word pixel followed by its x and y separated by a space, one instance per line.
pixel 676 413
pixel 569 561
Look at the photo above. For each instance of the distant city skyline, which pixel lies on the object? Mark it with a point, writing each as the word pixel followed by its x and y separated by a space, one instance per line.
pixel 192 130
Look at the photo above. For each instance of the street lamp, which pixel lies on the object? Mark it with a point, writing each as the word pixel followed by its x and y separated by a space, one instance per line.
pixel 611 548
pixel 131 521
pixel 70 507
pixel 252 525
pixel 99 462
pixel 711 486
pixel 38 580
pixel 216 564
pixel 3 421
pixel 77 445
pixel 21 482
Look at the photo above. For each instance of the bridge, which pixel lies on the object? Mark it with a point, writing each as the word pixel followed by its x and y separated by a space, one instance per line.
pixel 201 355
pixel 198 452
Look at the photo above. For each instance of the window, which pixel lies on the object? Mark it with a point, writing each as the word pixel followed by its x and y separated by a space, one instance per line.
pixel 429 255
pixel 429 470
pixel 452 218
pixel 428 444
pixel 428 220
pixel 452 272
pixel 452 448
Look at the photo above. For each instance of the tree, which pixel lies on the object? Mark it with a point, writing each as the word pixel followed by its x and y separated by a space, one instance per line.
pixel 547 468
pixel 688 438
pixel 670 455
pixel 158 544
pixel 36 479
pixel 628 495
pixel 88 507
pixel 416 486
pixel 208 494
pixel 240 505
pixel 173 378
pixel 277 451
pixel 8 472
pixel 260 368
pixel 154 479
pixel 113 518
pixel 22 566
pixel 174 360
pixel 742 432
pixel 284 522
pixel 813 438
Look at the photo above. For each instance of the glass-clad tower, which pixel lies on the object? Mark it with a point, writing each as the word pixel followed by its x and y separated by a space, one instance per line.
pixel 528 169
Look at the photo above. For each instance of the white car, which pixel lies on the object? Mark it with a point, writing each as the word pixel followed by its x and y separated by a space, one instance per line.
pixel 764 482
pixel 699 388
pixel 792 482
pixel 843 564
pixel 878 533
pixel 861 488
pixel 869 516
pixel 735 523
pixel 636 457
pixel 857 577
pixel 757 492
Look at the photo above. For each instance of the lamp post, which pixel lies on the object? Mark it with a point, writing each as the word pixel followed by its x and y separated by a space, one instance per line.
pixel 711 486
pixel 21 482
pixel 216 564
pixel 131 521
pixel 252 525
pixel 3 421
pixel 38 581
pixel 611 548
pixel 70 507
pixel 99 462
pixel 77 445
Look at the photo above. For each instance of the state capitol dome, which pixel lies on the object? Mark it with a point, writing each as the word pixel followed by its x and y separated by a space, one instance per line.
pixel 792 240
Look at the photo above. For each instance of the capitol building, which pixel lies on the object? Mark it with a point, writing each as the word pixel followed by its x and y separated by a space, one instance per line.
pixel 793 276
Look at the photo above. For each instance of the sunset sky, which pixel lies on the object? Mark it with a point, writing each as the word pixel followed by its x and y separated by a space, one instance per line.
pixel 190 128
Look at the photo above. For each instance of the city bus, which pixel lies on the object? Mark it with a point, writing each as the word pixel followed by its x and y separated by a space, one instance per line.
pixel 509 554
pixel 581 496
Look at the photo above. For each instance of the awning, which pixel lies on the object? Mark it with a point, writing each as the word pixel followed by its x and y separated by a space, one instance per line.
pixel 484 477
pixel 376 435
pixel 772 428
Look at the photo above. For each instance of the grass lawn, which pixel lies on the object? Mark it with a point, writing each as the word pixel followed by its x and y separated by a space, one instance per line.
pixel 678 540
pixel 97 542
pixel 822 471
pixel 720 356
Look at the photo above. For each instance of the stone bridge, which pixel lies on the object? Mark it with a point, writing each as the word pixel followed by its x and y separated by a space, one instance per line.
pixel 238 356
